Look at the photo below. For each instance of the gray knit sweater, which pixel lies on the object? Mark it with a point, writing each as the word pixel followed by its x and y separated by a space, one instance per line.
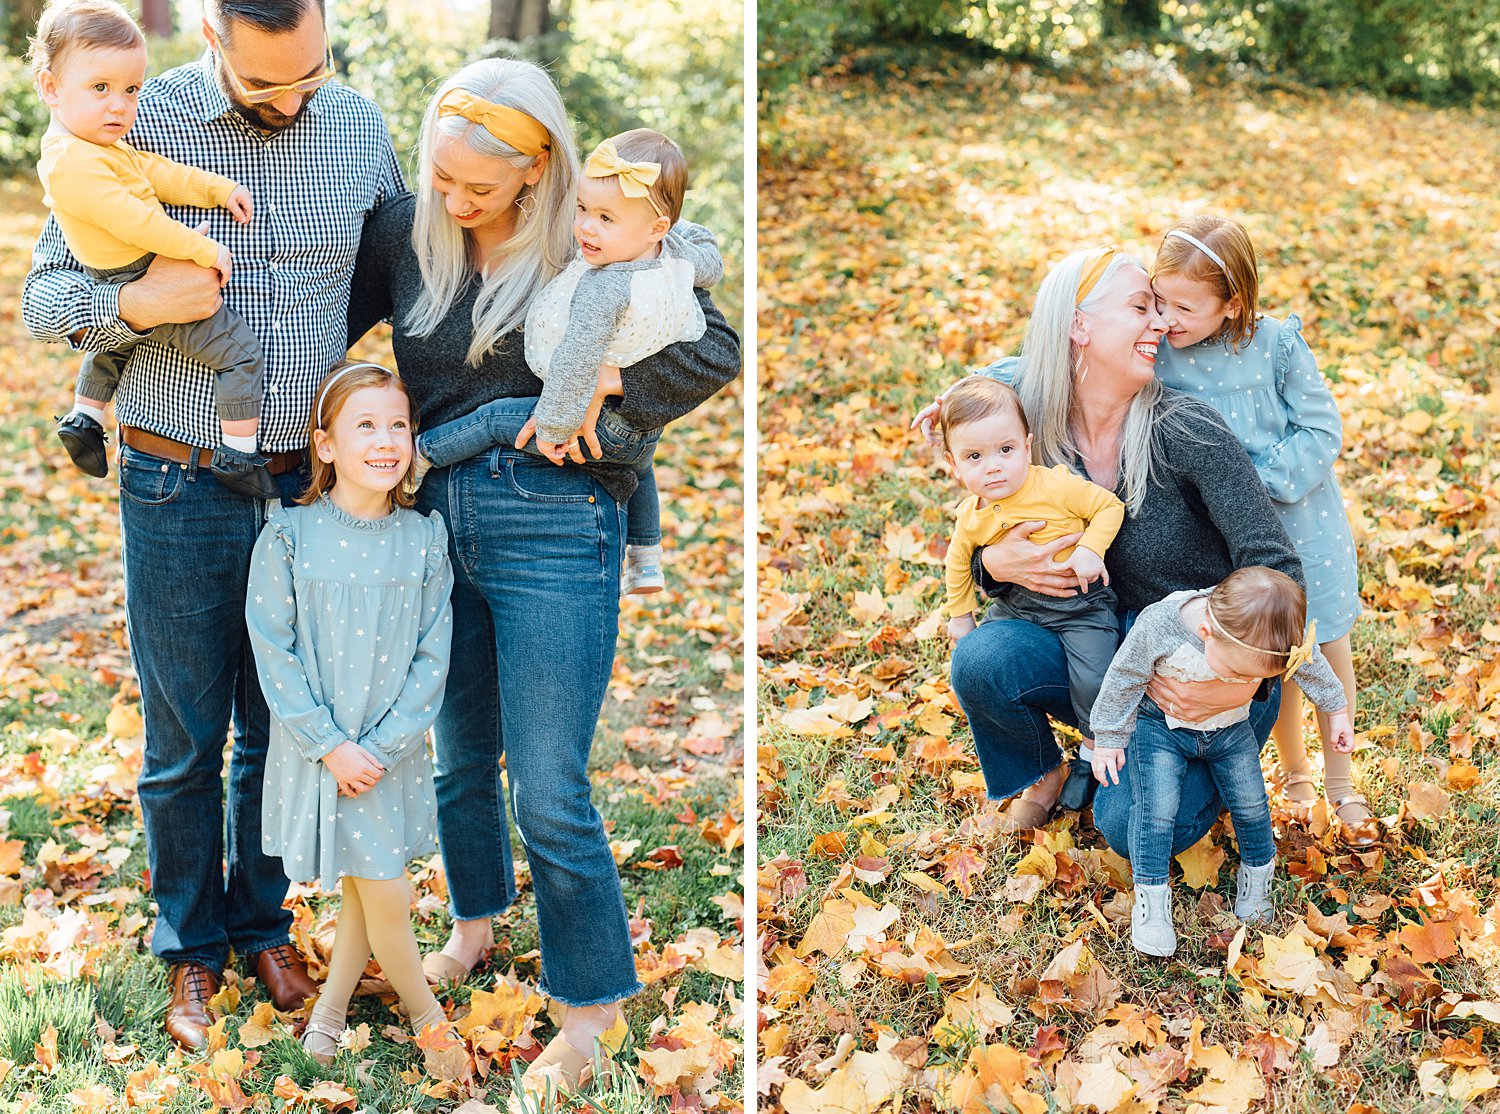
pixel 599 303
pixel 1157 633
pixel 444 386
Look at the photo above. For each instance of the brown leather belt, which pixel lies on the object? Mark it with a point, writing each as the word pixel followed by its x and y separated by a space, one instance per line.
pixel 168 449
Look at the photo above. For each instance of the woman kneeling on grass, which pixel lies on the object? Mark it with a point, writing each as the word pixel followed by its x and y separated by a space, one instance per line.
pixel 1195 512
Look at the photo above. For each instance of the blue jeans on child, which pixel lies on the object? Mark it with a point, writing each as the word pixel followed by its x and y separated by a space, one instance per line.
pixel 186 549
pixel 1010 675
pixel 498 424
pixel 1158 758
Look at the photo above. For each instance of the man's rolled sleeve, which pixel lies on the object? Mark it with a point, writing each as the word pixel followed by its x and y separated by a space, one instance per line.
pixel 60 304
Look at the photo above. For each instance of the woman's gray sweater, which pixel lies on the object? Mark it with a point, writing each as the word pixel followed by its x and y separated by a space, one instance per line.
pixel 445 386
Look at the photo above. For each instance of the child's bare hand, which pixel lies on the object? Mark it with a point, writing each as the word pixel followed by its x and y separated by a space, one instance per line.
pixel 1107 764
pixel 224 266
pixel 354 768
pixel 239 205
pixel 960 625
pixel 1341 732
pixel 556 453
pixel 927 421
pixel 1087 565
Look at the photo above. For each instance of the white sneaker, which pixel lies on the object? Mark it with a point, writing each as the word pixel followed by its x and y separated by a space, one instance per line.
pixel 1151 921
pixel 1252 897
pixel 642 574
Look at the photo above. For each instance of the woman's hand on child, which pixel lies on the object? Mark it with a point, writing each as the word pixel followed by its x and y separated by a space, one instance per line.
pixel 223 266
pixel 960 625
pixel 239 205
pixel 1088 566
pixel 1341 732
pixel 1107 764
pixel 353 767
pixel 1195 701
pixel 1016 560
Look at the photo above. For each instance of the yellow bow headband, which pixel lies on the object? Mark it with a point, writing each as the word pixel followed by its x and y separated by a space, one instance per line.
pixel 1296 657
pixel 1093 271
pixel 636 178
pixel 509 125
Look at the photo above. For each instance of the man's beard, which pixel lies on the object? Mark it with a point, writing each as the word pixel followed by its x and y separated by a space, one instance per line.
pixel 262 117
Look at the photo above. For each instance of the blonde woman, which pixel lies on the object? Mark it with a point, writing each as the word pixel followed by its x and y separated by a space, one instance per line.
pixel 536 548
pixel 1195 512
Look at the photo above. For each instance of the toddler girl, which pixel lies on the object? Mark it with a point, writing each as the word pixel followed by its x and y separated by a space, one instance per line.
pixel 627 295
pixel 349 618
pixel 987 443
pixel 1261 377
pixel 89 61
pixel 1248 628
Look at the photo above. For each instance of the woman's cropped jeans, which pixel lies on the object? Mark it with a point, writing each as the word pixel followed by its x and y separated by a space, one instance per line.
pixel 536 552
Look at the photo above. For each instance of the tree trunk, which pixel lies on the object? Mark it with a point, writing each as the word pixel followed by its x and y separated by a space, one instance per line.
pixel 519 19
pixel 156 18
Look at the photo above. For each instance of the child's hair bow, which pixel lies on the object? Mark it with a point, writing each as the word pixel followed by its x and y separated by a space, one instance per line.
pixel 636 178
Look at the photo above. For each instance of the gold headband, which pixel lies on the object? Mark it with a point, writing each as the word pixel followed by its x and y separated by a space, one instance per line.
pixel 1296 657
pixel 509 125
pixel 636 178
pixel 1094 271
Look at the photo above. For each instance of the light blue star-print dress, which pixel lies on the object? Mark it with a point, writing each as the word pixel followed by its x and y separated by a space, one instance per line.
pixel 351 626
pixel 1274 399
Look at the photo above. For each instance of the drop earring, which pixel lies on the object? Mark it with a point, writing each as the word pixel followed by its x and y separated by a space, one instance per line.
pixel 526 203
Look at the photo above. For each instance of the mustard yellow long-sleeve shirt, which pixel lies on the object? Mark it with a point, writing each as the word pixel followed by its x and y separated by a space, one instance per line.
pixel 108 201
pixel 1067 504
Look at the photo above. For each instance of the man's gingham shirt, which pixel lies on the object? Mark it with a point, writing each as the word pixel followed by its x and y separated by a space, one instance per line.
pixel 312 187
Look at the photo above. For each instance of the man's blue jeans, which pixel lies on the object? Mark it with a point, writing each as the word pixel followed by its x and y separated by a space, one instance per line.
pixel 497 425
pixel 1009 676
pixel 186 549
pixel 1158 758
pixel 536 552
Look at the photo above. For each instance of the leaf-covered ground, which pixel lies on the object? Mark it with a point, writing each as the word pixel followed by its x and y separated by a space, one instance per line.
pixel 911 957
pixel 80 996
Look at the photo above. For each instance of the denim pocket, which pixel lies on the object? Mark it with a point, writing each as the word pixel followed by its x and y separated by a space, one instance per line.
pixel 621 444
pixel 149 480
pixel 541 481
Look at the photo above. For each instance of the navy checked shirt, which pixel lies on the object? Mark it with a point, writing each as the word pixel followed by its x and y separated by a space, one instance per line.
pixel 312 187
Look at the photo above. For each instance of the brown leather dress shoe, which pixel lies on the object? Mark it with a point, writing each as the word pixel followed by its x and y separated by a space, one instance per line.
pixel 187 1019
pixel 284 975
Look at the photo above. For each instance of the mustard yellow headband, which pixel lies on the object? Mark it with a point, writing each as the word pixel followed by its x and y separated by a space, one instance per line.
pixel 1093 271
pixel 1296 657
pixel 509 125
pixel 636 178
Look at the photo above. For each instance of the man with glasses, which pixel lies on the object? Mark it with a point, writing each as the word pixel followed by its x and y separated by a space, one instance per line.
pixel 317 159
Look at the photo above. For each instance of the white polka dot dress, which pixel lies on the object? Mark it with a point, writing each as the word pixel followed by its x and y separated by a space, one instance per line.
pixel 1273 398
pixel 351 626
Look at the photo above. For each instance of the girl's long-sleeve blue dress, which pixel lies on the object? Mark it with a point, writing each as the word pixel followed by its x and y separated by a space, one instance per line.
pixel 1274 399
pixel 351 626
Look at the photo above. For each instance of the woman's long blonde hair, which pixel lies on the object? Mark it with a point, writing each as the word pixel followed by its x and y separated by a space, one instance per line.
pixel 1049 381
pixel 543 241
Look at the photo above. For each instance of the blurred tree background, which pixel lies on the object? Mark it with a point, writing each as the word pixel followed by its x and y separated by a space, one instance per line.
pixel 1438 51
pixel 666 64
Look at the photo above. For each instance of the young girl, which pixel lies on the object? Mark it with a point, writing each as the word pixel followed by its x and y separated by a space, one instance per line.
pixel 89 61
pixel 350 621
pixel 1261 377
pixel 627 296
pixel 1248 628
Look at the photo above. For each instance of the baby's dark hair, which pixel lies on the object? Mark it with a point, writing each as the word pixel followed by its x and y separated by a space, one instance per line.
pixel 342 380
pixel 80 25
pixel 978 397
pixel 646 145
pixel 1262 608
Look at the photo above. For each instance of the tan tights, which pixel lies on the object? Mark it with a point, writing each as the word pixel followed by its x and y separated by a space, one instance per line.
pixel 1291 748
pixel 375 916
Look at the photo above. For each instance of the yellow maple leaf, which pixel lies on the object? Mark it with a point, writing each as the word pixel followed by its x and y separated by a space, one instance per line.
pixel 505 1009
pixel 1201 863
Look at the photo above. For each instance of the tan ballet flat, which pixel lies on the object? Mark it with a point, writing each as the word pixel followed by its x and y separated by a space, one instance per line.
pixel 1360 835
pixel 321 1041
pixel 560 1069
